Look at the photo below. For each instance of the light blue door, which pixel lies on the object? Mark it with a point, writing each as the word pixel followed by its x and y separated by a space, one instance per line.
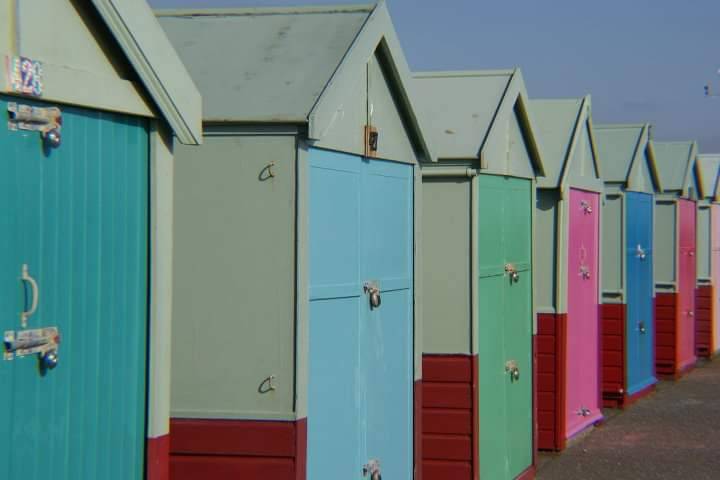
pixel 639 260
pixel 77 217
pixel 360 358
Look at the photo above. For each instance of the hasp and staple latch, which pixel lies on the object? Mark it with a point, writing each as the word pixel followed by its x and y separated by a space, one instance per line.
pixel 372 139
pixel 512 272
pixel 46 120
pixel 372 290
pixel 371 470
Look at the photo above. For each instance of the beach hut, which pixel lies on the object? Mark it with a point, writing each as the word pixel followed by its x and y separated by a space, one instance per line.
pixel 92 94
pixel 675 262
pixel 567 272
pixel 295 317
pixel 707 331
pixel 477 232
pixel 627 309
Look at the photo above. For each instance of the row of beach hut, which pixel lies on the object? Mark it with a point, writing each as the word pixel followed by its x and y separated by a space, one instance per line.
pixel 252 243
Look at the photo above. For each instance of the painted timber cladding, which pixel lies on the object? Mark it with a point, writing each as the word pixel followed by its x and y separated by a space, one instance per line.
pixel 315 77
pixel 627 312
pixel 248 249
pixel 479 119
pixel 78 217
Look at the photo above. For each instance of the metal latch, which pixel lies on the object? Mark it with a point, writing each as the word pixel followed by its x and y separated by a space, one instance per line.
pixel 641 327
pixel 373 292
pixel 584 272
pixel 512 271
pixel 372 470
pixel 512 368
pixel 584 412
pixel 41 341
pixel 587 208
pixel 640 252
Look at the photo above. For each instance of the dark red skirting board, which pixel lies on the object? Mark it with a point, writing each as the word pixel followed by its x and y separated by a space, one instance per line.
pixel 157 458
pixel 703 321
pixel 550 352
pixel 230 449
pixel 666 313
pixel 449 417
pixel 417 430
pixel 613 318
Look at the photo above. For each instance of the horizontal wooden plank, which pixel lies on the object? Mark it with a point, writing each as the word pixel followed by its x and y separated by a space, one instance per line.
pixel 612 359
pixel 546 398
pixel 612 327
pixel 665 355
pixel 545 363
pixel 613 343
pixel 447 368
pixel 546 382
pixel 546 324
pixel 445 470
pixel 545 344
pixel 190 467
pixel 447 421
pixel 232 437
pixel 612 311
pixel 664 340
pixel 546 419
pixel 666 299
pixel 447 395
pixel 546 439
pixel 612 375
pixel 447 447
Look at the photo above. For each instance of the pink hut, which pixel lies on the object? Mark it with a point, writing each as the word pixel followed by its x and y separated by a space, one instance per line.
pixel 567 287
pixel 675 260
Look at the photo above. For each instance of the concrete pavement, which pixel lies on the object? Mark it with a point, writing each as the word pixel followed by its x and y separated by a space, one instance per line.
pixel 672 434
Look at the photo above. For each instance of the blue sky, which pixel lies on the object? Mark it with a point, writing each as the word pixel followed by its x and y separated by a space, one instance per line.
pixel 641 60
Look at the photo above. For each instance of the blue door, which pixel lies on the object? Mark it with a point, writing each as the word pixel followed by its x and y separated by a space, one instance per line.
pixel 360 357
pixel 639 260
pixel 74 241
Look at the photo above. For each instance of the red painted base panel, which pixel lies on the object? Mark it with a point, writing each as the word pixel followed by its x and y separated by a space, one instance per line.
pixel 703 321
pixel 230 449
pixel 158 458
pixel 449 417
pixel 550 344
pixel 666 314
pixel 613 318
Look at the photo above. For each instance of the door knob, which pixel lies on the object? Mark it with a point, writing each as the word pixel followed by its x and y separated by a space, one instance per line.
pixel 373 293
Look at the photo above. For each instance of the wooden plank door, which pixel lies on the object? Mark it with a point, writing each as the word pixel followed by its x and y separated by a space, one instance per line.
pixel 639 326
pixel 583 356
pixel 77 216
pixel 504 326
pixel 361 357
pixel 686 285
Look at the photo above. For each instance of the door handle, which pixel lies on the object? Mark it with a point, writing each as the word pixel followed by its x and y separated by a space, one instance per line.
pixel 640 252
pixel 373 292
pixel 512 271
pixel 512 368
pixel 641 327
pixel 25 277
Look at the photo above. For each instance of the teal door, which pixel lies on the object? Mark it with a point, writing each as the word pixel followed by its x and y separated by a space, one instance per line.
pixel 76 216
pixel 505 326
pixel 360 357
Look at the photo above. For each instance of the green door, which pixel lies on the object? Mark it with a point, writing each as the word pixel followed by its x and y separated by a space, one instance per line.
pixel 77 218
pixel 505 326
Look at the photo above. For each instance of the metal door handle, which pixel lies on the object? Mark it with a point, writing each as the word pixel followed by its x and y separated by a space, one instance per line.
pixel 691 313
pixel 514 274
pixel 641 327
pixel 512 368
pixel 25 277
pixel 640 253
pixel 373 292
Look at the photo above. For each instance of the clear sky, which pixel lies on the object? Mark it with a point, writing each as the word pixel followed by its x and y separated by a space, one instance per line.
pixel 641 60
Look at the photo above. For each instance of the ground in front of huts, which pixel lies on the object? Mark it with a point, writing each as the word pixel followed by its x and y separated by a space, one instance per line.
pixel 672 434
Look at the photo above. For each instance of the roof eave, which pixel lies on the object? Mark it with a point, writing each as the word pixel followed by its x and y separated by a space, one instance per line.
pixel 142 40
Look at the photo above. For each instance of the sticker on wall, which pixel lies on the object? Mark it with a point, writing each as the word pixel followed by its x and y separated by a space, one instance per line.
pixel 24 76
